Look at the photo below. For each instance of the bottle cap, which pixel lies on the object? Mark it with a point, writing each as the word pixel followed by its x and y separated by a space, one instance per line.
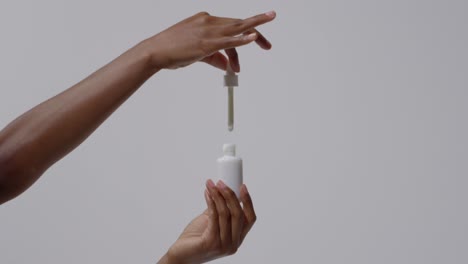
pixel 230 79
pixel 229 149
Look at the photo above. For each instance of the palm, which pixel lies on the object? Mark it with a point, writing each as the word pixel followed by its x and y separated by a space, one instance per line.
pixel 193 239
pixel 196 228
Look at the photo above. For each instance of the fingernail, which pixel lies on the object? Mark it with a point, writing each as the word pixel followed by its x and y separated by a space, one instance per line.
pixel 251 36
pixel 221 184
pixel 210 184
pixel 271 14
pixel 207 195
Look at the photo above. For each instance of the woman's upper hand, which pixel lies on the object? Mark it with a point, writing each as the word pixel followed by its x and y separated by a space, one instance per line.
pixel 217 232
pixel 202 37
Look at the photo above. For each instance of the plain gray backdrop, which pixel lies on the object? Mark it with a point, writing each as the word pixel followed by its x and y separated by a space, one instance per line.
pixel 353 130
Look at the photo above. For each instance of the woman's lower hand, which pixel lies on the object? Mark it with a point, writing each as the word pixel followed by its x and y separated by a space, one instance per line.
pixel 218 231
pixel 201 37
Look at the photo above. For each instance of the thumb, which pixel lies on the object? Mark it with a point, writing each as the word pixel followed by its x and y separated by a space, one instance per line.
pixel 217 60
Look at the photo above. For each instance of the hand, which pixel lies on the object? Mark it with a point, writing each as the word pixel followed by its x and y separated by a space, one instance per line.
pixel 218 231
pixel 201 37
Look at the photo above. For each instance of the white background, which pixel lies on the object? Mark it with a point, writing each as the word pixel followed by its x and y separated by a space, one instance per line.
pixel 352 130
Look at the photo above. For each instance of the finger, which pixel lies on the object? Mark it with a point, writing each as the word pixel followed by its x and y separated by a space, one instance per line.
pixel 233 59
pixel 232 42
pixel 250 216
pixel 251 23
pixel 261 40
pixel 237 215
pixel 217 60
pixel 213 228
pixel 224 217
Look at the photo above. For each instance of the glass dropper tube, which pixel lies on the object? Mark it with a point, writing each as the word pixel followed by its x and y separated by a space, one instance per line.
pixel 230 80
pixel 230 108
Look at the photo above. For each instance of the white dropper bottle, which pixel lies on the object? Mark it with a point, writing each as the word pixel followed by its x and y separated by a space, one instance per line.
pixel 230 168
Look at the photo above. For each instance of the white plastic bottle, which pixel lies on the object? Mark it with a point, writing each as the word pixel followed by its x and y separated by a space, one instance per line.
pixel 230 168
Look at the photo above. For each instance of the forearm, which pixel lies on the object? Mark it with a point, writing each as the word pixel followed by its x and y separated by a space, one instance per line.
pixel 46 133
pixel 49 131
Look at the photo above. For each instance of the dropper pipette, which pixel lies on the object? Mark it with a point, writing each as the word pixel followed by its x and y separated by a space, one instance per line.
pixel 230 81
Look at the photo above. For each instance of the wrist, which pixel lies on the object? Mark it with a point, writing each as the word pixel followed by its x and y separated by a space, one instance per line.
pixel 154 56
pixel 166 260
pixel 169 258
pixel 147 56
